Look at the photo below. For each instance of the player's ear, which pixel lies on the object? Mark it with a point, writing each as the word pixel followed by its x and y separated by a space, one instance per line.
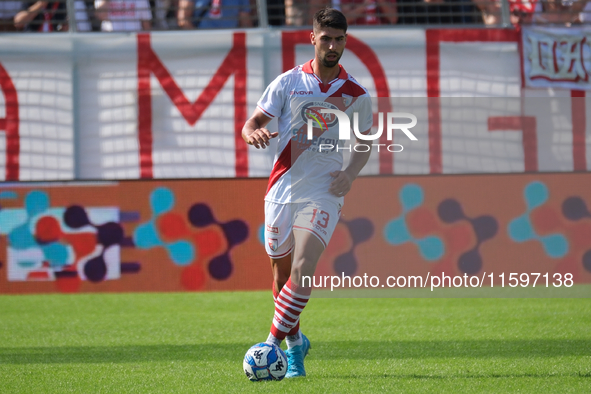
pixel 312 38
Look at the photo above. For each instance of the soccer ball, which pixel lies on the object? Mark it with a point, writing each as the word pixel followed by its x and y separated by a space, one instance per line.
pixel 264 361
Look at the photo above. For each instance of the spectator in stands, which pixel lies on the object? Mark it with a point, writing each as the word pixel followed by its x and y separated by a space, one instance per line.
pixel 95 24
pixel 123 15
pixel 48 16
pixel 160 11
pixel 370 12
pixel 296 13
pixel 564 12
pixel 299 13
pixel 8 9
pixel 583 8
pixel 491 11
pixel 41 16
pixel 521 11
pixel 214 14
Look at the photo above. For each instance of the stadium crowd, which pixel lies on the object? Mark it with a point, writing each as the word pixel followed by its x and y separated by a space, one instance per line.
pixel 137 15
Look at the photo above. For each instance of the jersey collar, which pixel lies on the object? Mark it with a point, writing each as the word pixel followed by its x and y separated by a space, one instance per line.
pixel 307 68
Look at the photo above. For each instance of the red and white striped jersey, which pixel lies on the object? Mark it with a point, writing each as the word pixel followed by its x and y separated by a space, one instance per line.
pixel 302 167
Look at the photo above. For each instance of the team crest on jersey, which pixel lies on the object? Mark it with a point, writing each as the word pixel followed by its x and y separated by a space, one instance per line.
pixel 311 110
pixel 273 244
pixel 347 100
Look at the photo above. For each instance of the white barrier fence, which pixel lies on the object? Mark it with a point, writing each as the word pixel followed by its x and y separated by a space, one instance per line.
pixel 171 104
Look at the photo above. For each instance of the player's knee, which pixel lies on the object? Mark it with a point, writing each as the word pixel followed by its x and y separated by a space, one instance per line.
pixel 302 267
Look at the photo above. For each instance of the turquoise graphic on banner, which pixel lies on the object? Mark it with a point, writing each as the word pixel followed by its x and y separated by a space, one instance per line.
pixel 521 229
pixel 396 231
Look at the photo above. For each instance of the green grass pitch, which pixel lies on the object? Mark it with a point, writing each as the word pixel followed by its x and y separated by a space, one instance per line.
pixel 194 343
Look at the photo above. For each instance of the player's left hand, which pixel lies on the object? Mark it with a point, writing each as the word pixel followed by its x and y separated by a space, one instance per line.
pixel 341 183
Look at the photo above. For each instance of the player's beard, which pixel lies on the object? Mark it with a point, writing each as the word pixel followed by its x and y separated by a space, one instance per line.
pixel 331 63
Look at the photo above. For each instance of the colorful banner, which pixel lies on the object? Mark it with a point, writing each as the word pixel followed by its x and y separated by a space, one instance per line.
pixel 131 236
pixel 206 235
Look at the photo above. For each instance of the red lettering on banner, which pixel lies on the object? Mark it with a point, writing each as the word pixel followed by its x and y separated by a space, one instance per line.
pixel 557 59
pixel 525 124
pixel 289 39
pixel 579 119
pixel 434 37
pixel 11 125
pixel 433 102
pixel 148 62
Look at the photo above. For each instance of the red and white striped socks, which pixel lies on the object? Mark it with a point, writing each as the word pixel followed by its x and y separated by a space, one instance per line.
pixel 289 304
pixel 295 331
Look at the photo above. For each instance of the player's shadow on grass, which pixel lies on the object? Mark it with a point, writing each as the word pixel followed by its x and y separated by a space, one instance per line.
pixel 369 350
pixel 484 348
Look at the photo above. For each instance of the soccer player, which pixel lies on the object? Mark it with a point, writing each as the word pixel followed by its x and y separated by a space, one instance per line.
pixel 307 184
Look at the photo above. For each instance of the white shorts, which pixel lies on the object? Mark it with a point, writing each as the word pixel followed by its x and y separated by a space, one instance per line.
pixel 318 217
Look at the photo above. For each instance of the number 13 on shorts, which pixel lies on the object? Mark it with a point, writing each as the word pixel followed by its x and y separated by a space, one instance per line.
pixel 319 218
pixel 321 222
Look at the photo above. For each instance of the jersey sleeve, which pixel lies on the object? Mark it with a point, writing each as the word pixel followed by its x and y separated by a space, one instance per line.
pixel 365 111
pixel 273 99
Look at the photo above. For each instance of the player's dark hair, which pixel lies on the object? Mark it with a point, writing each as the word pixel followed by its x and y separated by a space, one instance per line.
pixel 330 17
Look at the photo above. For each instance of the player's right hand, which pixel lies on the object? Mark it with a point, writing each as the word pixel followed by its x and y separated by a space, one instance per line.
pixel 260 138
